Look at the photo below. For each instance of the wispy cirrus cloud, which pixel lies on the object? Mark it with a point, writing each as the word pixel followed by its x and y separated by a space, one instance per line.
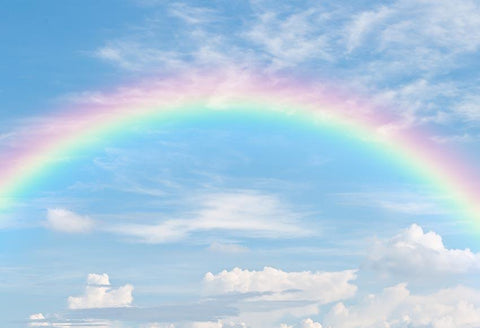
pixel 227 248
pixel 238 213
pixel 193 15
pixel 406 202
pixel 396 53
pixel 134 56
pixel 291 39
pixel 63 220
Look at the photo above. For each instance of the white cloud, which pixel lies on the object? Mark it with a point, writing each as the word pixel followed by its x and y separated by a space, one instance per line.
pixel 321 287
pixel 291 39
pixel 309 323
pixel 98 294
pixel 464 138
pixel 262 314
pixel 192 15
pixel 363 24
pixel 469 108
pixel 39 324
pixel 411 202
pixel 271 295
pixel 422 28
pixel 217 324
pixel 441 26
pixel 421 254
pixel 66 221
pixel 409 45
pixel 37 316
pixel 400 51
pixel 243 212
pixel 136 56
pixel 417 101
pixel 160 325
pixel 98 279
pixel 38 320
pixel 227 248
pixel 397 307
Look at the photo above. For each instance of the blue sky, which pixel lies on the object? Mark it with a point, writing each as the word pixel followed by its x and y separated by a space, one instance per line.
pixel 231 219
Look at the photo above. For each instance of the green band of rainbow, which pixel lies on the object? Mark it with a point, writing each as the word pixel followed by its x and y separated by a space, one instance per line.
pixel 41 143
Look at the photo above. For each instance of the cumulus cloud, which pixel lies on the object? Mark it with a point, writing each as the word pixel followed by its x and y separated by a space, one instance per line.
pixel 99 294
pixel 244 212
pixel 420 253
pixel 397 307
pixel 66 221
pixel 37 316
pixel 264 298
pixel 309 323
pixel 275 284
pixel 38 320
pixel 98 279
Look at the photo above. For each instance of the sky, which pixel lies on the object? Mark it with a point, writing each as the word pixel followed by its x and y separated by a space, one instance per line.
pixel 234 164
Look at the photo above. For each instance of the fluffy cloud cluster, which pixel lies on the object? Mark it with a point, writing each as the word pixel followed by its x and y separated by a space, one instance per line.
pixel 265 298
pixel 99 294
pixel 66 221
pixel 396 307
pixel 275 284
pixel 415 252
pixel 306 323
pixel 309 323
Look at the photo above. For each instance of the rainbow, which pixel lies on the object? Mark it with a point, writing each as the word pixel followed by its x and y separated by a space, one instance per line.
pixel 41 142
